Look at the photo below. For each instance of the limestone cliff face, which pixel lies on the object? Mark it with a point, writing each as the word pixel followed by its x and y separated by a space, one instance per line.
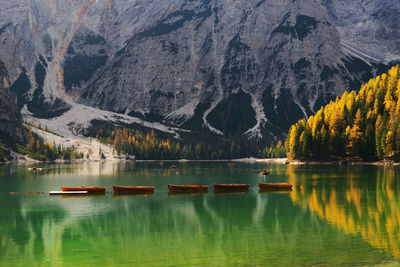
pixel 232 67
pixel 10 117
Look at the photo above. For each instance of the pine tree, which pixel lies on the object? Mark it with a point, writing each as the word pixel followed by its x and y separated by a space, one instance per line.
pixel 366 124
pixel 292 143
pixel 306 143
pixel 2 155
pixel 31 140
pixel 378 135
pixel 389 144
pixel 354 137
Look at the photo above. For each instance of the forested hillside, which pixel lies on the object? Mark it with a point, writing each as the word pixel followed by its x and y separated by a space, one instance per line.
pixel 363 126
pixel 233 68
pixel 155 145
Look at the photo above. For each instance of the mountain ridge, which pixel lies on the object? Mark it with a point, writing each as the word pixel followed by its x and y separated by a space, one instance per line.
pixel 10 117
pixel 183 63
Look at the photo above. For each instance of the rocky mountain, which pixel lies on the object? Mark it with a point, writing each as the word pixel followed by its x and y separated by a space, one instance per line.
pixel 231 67
pixel 10 117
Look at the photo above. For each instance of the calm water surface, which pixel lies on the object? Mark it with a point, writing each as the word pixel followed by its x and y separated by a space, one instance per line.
pixel 347 215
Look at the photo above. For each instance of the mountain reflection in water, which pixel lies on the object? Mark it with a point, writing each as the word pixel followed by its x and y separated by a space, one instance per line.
pixel 206 229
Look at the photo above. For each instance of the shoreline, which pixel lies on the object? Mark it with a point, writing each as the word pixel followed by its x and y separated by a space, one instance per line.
pixel 243 160
pixel 61 161
pixel 344 162
pixel 240 160
pixel 120 160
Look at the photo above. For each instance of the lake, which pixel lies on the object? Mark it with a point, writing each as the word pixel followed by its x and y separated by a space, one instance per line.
pixel 335 215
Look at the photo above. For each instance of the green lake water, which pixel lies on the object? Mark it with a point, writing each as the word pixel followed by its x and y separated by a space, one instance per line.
pixel 335 216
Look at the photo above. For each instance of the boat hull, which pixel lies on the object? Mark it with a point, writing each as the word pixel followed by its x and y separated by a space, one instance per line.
pixel 132 189
pixel 89 189
pixel 187 188
pixel 231 187
pixel 277 186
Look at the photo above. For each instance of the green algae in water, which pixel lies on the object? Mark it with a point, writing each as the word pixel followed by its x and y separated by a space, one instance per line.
pixel 334 216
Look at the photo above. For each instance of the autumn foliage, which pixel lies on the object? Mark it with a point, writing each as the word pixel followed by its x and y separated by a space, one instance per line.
pixel 155 145
pixel 357 126
pixel 38 149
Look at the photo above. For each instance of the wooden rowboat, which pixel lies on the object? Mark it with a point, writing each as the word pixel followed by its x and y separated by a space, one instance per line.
pixel 187 188
pixel 231 187
pixel 90 189
pixel 265 186
pixel 132 189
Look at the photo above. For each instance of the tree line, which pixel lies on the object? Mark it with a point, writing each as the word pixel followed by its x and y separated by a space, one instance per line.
pixel 357 126
pixel 38 149
pixel 152 145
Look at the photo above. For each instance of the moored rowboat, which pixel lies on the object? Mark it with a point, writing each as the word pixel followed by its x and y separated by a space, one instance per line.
pixel 132 189
pixel 187 188
pixel 84 188
pixel 275 186
pixel 231 187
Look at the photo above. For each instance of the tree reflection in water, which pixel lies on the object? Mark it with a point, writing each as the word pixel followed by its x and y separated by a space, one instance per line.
pixel 222 229
pixel 367 204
